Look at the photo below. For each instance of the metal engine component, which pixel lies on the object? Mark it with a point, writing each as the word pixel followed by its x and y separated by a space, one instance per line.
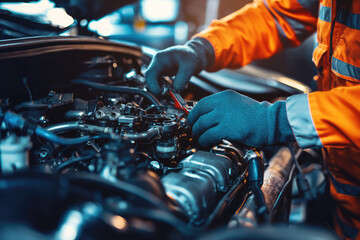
pixel 217 166
pixel 168 145
pixel 14 153
pixel 195 191
pixel 122 114
pixel 199 184
pixel 144 155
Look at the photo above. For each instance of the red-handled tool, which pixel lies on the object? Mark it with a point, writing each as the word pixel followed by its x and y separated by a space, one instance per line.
pixel 180 102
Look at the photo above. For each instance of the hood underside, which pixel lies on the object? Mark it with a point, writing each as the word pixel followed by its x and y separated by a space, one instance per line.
pixel 91 9
pixel 86 9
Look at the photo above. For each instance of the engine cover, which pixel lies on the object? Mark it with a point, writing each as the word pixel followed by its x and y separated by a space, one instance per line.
pixel 202 180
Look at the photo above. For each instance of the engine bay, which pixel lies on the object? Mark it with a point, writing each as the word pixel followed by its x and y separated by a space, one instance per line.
pixel 87 152
pixel 127 158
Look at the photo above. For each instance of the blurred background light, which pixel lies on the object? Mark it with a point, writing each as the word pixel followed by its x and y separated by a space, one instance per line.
pixel 44 10
pixel 105 26
pixel 119 222
pixel 159 10
pixel 59 17
pixel 31 8
pixel 181 32
pixel 152 23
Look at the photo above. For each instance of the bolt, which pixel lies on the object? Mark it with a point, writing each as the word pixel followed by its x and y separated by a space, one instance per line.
pixel 43 154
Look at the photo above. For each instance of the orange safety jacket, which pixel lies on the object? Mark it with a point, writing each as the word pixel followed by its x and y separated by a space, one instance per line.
pixel 329 118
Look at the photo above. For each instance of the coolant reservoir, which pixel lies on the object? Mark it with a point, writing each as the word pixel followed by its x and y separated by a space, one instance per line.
pixel 14 152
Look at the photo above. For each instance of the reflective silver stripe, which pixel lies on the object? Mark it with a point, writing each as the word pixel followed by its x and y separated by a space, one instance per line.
pixel 301 122
pixel 325 13
pixel 345 69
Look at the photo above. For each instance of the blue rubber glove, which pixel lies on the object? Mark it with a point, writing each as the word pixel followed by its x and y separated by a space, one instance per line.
pixel 235 117
pixel 181 62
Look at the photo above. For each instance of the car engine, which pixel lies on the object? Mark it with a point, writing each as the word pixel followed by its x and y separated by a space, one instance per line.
pixel 86 152
pixel 104 150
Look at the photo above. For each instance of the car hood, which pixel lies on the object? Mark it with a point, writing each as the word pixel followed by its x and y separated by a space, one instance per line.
pixel 91 9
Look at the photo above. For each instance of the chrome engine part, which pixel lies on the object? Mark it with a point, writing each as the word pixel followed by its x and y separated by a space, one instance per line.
pixel 204 176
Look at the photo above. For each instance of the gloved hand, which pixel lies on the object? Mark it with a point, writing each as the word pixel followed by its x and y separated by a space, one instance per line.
pixel 235 117
pixel 182 61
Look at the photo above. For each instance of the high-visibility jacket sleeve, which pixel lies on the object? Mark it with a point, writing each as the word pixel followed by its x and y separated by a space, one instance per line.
pixel 259 30
pixel 326 119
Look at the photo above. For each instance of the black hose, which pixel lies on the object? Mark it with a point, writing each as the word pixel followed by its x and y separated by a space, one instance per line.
pixel 41 132
pixel 157 216
pixel 147 135
pixel 119 186
pixel 13 120
pixel 69 126
pixel 118 89
pixel 73 161
pixel 88 181
pixel 63 127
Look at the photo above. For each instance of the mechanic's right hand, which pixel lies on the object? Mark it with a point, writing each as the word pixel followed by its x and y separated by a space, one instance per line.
pixel 181 62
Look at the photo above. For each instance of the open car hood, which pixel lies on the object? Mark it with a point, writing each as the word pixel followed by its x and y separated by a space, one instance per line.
pixel 87 9
pixel 91 9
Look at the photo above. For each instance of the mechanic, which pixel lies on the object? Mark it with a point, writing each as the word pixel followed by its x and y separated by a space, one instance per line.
pixel 327 119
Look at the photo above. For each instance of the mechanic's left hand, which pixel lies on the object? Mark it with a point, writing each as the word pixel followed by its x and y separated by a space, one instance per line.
pixel 235 117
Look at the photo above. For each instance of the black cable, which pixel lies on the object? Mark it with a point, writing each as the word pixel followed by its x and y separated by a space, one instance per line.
pixel 3 108
pixel 25 82
pixel 289 181
pixel 295 158
pixel 238 184
pixel 118 89
pixel 157 108
pixel 262 210
pixel 302 182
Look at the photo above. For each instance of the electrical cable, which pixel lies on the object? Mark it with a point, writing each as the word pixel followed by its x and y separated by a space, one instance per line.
pixel 295 158
pixel 289 181
pixel 157 108
pixel 238 184
pixel 302 182
pixel 262 210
